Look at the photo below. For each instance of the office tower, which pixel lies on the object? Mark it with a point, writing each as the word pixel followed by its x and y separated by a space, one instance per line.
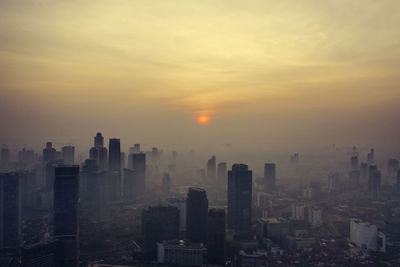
pixel 354 163
pixel 5 158
pixel 393 166
pixel 114 184
pixel 66 221
pixel 103 159
pixel 136 148
pixel 371 172
pixel 269 177
pixel 10 210
pixel 166 184
pixel 371 156
pixel 376 184
pixel 139 165
pixel 50 167
pixel 49 153
pixel 354 178
pixel 114 157
pixel 94 154
pixel 180 204
pixel 27 187
pixel 364 172
pixel 98 140
pixel 211 169
pixel 222 173
pixel 239 198
pixel 275 229
pixel 130 184
pixel 196 215
pixel 334 181
pixel 68 155
pixel 216 236
pixel 159 223
pixel 398 182
pixel 42 254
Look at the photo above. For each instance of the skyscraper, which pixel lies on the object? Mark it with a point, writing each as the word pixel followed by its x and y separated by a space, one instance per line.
pixel 68 155
pixel 98 140
pixel 5 158
pixel 222 173
pixel 364 172
pixel 66 221
pixel 196 215
pixel 371 172
pixel 139 165
pixel 269 177
pixel 239 198
pixel 114 155
pixel 216 236
pixel 49 153
pixel 10 210
pixel 354 163
pixel 393 166
pixel 371 156
pixel 211 169
pixel 166 184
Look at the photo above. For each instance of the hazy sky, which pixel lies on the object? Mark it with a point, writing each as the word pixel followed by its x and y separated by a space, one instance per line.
pixel 283 71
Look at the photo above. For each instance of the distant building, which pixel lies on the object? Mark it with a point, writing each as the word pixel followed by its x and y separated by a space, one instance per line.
pixel 114 157
pixel 130 184
pixel 10 210
pixel 139 166
pixel 68 155
pixel 354 163
pixel 366 236
pixel 371 156
pixel 275 229
pixel 374 181
pixel 298 212
pixel 49 153
pixel 393 167
pixel 99 152
pixel 269 177
pixel 159 223
pixel 216 236
pixel 239 198
pixel 180 204
pixel 222 173
pixel 334 181
pixel 211 169
pixel 196 215
pixel 98 140
pixel 178 252
pixel 354 178
pixel 314 216
pixel 66 220
pixel 166 184
pixel 364 172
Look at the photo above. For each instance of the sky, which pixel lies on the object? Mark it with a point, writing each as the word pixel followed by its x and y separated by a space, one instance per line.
pixel 255 72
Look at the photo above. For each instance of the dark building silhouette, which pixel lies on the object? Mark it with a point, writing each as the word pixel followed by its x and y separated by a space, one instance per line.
pixel 364 172
pixel 49 175
pixel 216 236
pixel 269 177
pixel 49 153
pixel 99 152
pixel 41 254
pixel 222 173
pixel 354 163
pixel 239 198
pixel 166 184
pixel 371 156
pixel 68 155
pixel 98 140
pixel 371 171
pixel 139 166
pixel 159 223
pixel 114 157
pixel 354 178
pixel 211 169
pixel 10 210
pixel 393 166
pixel 5 158
pixel 26 156
pixel 374 182
pixel 66 221
pixel 196 215
pixel 130 184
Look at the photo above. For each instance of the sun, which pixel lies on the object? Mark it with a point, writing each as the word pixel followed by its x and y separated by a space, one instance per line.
pixel 203 119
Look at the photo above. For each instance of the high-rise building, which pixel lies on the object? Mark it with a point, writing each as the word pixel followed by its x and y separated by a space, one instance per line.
pixel 371 156
pixel 196 215
pixel 376 179
pixel 66 221
pixel 354 163
pixel 180 204
pixel 49 153
pixel 364 172
pixel 136 148
pixel 139 166
pixel 216 236
pixel 159 223
pixel 68 155
pixel 211 169
pixel 239 198
pixel 98 140
pixel 114 157
pixel 222 173
pixel 166 184
pixel 393 166
pixel 5 158
pixel 269 177
pixel 366 236
pixel 354 178
pixel 130 184
pixel 10 210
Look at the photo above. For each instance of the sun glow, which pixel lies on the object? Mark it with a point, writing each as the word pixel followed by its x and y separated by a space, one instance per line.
pixel 203 119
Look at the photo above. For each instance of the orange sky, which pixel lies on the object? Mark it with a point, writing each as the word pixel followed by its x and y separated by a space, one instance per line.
pixel 145 70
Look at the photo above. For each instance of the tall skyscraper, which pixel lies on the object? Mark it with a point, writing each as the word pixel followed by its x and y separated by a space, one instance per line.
pixel 166 184
pixel 269 177
pixel 354 163
pixel 98 140
pixel 130 184
pixel 216 236
pixel 364 172
pixel 239 198
pixel 139 166
pixel 371 156
pixel 196 215
pixel 136 148
pixel 5 158
pixel 211 169
pixel 114 158
pixel 393 166
pixel 68 155
pixel 66 221
pixel 49 153
pixel 159 223
pixel 371 172
pixel 10 210
pixel 222 173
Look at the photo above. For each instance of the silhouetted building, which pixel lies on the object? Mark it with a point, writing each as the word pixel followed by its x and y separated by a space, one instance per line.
pixel 166 184
pixel 68 155
pixel 354 163
pixel 371 171
pixel 374 182
pixel 139 165
pixel 354 178
pixel 393 166
pixel 98 140
pixel 269 177
pixel 130 184
pixel 364 172
pixel 26 156
pixel 136 148
pixel 10 210
pixel 49 153
pixel 222 173
pixel 211 169
pixel 239 198
pixel 50 167
pixel 114 157
pixel 180 204
pixel 66 221
pixel 5 158
pixel 216 236
pixel 196 215
pixel 334 182
pixel 159 223
pixel 371 156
